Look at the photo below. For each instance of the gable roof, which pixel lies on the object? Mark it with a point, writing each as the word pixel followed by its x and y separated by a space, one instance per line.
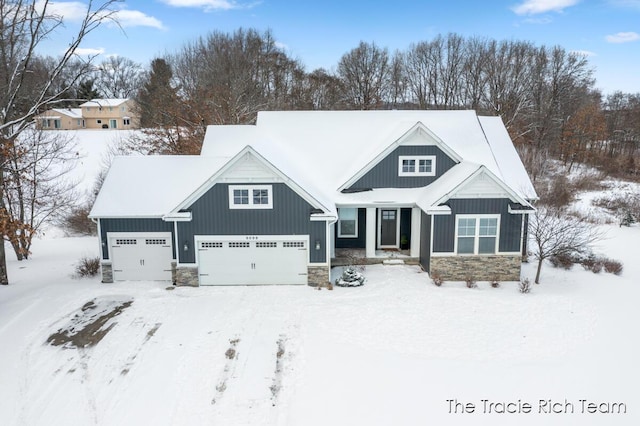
pixel 104 102
pixel 150 186
pixel 317 153
pixel 314 197
pixel 335 147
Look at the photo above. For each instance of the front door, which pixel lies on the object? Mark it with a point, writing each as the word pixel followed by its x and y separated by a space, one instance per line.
pixel 388 228
pixel 113 124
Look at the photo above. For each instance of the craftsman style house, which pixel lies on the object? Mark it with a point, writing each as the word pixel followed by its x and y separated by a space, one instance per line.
pixel 276 202
pixel 94 114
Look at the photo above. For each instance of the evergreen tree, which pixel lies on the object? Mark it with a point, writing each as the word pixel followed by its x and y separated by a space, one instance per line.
pixel 158 97
pixel 86 91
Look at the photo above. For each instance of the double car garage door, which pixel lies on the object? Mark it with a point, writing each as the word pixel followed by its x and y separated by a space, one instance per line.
pixel 222 260
pixel 246 261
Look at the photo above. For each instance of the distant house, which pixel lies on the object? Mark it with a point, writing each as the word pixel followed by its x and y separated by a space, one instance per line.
pixel 60 119
pixel 276 202
pixel 110 114
pixel 93 114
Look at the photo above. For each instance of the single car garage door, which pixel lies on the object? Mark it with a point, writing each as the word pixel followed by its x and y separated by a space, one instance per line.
pixel 253 260
pixel 141 257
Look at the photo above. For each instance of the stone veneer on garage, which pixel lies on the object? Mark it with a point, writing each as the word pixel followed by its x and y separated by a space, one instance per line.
pixel 187 276
pixel 479 268
pixel 318 276
pixel 107 273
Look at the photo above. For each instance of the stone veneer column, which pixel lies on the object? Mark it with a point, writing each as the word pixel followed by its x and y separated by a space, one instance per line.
pixel 479 268
pixel 318 276
pixel 187 276
pixel 107 273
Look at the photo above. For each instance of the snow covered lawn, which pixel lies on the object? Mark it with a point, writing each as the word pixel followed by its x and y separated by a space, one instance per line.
pixel 392 352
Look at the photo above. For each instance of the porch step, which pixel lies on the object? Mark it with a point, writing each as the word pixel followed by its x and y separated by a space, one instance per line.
pixel 393 262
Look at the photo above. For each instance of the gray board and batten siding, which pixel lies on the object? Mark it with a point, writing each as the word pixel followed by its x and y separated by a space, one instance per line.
pixel 290 215
pixel 385 173
pixel 510 224
pixel 133 225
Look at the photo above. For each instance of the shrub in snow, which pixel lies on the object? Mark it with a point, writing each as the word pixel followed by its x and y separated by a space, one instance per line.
pixel 495 282
pixel 627 219
pixel 88 267
pixel 564 261
pixel 350 277
pixel 471 283
pixel 77 222
pixel 525 286
pixel 612 266
pixel 437 279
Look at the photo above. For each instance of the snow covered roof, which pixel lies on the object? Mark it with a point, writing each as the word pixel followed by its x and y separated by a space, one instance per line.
pixel 104 102
pixel 326 149
pixel 151 186
pixel 511 168
pixel 69 112
pixel 317 153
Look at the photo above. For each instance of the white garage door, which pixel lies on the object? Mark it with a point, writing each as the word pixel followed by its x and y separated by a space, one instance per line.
pixel 268 260
pixel 141 257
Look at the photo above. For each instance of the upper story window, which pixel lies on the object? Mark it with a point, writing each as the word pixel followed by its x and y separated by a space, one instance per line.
pixel 417 165
pixel 348 223
pixel 250 197
pixel 477 234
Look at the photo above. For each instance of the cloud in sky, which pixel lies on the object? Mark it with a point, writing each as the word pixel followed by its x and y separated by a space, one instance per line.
pixel 75 11
pixel 534 7
pixel 205 4
pixel 623 37
pixel 88 51
pixel 135 18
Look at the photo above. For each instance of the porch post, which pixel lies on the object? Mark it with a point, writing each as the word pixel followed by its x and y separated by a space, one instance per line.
pixel 332 240
pixel 370 242
pixel 416 220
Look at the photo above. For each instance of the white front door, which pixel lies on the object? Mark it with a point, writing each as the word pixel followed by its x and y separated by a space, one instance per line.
pixel 141 257
pixel 252 260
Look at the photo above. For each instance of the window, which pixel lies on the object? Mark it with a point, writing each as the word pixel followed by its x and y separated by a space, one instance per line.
pixel 126 121
pixel 348 223
pixel 250 197
pixel 99 121
pixel 417 165
pixel 477 235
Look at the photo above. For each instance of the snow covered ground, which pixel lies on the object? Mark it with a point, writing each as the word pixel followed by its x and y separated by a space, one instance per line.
pixel 390 352
pixel 397 351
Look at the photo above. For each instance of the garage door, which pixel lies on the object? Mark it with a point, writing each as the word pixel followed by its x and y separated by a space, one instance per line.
pixel 276 260
pixel 141 257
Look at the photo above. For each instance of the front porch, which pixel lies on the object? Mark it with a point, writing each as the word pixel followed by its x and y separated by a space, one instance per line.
pixel 345 257
pixel 374 234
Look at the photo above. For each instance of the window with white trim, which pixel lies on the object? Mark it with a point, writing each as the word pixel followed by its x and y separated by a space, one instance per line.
pixel 348 223
pixel 250 197
pixel 126 121
pixel 417 165
pixel 477 234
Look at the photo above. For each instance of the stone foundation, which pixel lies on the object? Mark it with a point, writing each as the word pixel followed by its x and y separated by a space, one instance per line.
pixel 173 272
pixel 479 268
pixel 107 273
pixel 318 276
pixel 187 276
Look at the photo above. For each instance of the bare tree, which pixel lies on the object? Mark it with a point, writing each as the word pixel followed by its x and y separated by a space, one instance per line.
pixel 555 234
pixel 365 72
pixel 36 189
pixel 24 26
pixel 118 77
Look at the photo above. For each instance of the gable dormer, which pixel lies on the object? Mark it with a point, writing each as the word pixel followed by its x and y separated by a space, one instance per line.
pixel 414 160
